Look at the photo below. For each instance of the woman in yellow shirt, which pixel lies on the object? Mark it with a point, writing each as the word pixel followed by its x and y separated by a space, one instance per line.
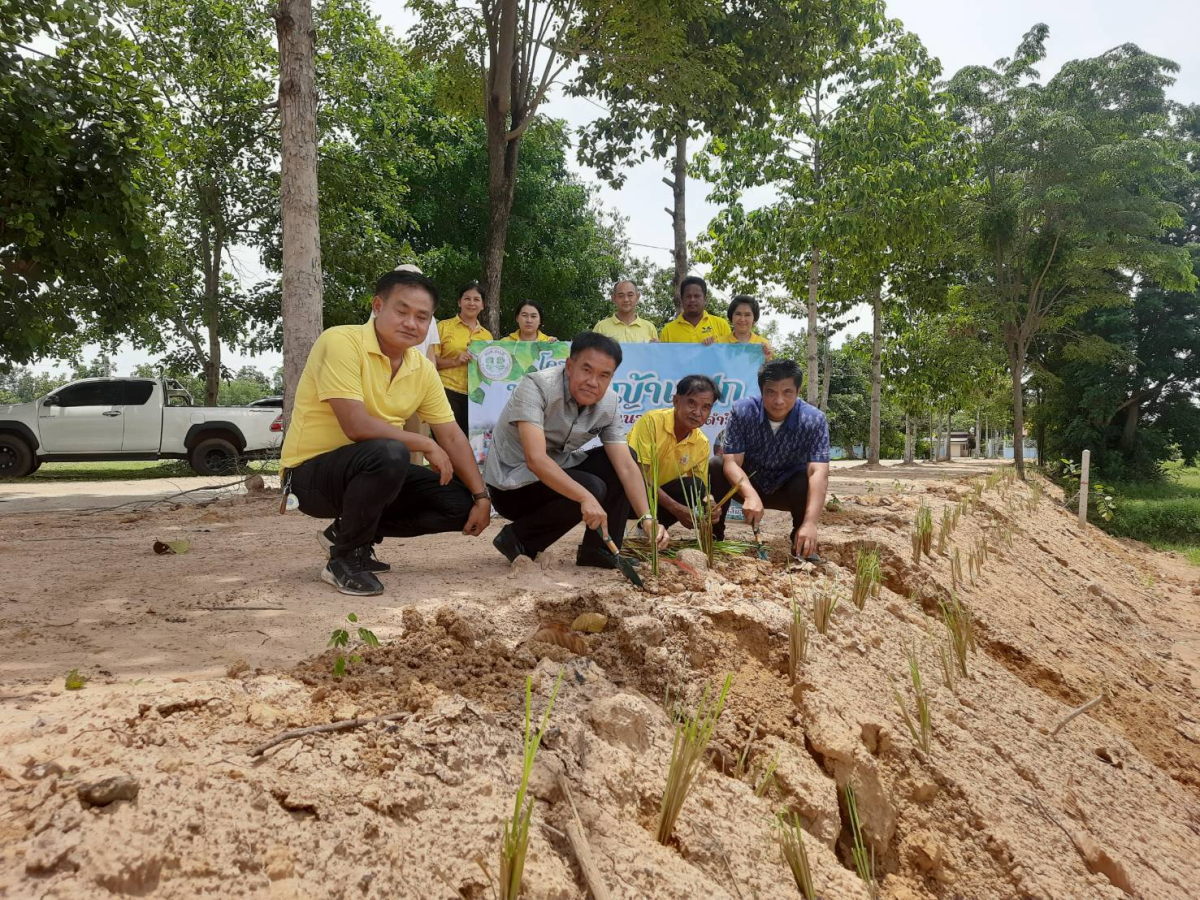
pixel 529 323
pixel 743 316
pixel 455 335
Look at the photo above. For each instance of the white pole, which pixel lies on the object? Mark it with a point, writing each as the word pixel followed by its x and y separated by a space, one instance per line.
pixel 1083 486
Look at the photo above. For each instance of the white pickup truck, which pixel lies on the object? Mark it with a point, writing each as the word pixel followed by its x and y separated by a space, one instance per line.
pixel 132 418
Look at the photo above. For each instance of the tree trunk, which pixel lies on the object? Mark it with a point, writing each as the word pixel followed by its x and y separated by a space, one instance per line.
pixel 502 185
pixel 302 289
pixel 932 437
pixel 876 374
pixel 1133 415
pixel 908 443
pixel 678 213
pixel 948 442
pixel 978 430
pixel 212 367
pixel 1016 362
pixel 814 276
pixel 827 369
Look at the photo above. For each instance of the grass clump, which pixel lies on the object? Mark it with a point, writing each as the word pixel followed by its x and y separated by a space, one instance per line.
pixel 702 507
pixel 791 848
pixel 922 533
pixel 687 755
pixel 956 575
pixel 945 530
pixel 864 862
pixel 867 576
pixel 960 628
pixel 516 830
pixel 825 601
pixel 918 722
pixel 797 641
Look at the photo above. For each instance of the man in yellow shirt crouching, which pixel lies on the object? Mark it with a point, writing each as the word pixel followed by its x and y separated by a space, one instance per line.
pixel 674 437
pixel 347 455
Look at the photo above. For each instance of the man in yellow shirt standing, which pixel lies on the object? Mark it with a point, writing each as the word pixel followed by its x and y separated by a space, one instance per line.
pixel 625 326
pixel 674 436
pixel 346 455
pixel 694 325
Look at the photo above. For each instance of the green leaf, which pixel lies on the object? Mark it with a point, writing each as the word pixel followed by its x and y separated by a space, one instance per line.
pixel 75 681
pixel 339 667
pixel 368 637
pixel 352 617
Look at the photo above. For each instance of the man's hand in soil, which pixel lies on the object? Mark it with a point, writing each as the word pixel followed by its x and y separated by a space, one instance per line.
pixel 440 463
pixel 805 544
pixel 481 515
pixel 594 515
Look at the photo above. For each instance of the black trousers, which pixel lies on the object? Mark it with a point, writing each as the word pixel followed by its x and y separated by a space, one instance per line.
pixel 675 490
pixel 792 496
pixel 374 492
pixel 458 406
pixel 541 515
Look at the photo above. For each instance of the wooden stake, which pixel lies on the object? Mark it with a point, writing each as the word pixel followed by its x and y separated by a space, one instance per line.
pixel 581 848
pixel 1096 701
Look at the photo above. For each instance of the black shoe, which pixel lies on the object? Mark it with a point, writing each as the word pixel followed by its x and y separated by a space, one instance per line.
pixel 508 544
pixel 593 558
pixel 328 538
pixel 349 575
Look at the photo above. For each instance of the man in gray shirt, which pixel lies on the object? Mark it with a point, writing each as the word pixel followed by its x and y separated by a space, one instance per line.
pixel 539 476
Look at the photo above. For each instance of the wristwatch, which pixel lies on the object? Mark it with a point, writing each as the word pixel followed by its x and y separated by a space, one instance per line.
pixel 482 495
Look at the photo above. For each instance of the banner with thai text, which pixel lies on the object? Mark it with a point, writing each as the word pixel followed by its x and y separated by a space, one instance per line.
pixel 644 381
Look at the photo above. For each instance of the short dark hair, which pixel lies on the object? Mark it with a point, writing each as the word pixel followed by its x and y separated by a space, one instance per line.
pixel 389 282
pixel 472 286
pixel 738 301
pixel 594 340
pixel 535 305
pixel 780 370
pixel 693 384
pixel 693 279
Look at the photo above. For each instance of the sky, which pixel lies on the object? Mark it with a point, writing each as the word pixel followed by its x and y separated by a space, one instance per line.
pixel 958 32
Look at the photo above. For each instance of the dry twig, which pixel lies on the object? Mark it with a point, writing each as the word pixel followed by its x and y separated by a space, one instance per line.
pixel 581 848
pixel 1095 701
pixel 341 725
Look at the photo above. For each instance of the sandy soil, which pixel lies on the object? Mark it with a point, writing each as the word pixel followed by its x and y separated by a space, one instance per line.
pixel 196 659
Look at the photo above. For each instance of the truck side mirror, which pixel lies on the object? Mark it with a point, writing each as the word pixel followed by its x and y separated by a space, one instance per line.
pixel 50 401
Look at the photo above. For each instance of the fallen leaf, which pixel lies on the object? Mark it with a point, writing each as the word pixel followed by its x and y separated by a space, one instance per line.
pixel 554 633
pixel 590 623
pixel 169 548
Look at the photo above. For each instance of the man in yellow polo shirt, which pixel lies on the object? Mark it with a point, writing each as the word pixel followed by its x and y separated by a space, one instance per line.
pixel 625 326
pixel 346 455
pixel 694 325
pixel 674 436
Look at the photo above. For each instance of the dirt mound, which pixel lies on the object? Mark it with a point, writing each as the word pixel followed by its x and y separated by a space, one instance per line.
pixel 411 806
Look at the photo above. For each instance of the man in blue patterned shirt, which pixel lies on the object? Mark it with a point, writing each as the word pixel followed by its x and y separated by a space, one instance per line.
pixel 783 443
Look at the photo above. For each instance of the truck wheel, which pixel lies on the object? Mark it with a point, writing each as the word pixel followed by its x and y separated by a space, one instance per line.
pixel 16 459
pixel 213 456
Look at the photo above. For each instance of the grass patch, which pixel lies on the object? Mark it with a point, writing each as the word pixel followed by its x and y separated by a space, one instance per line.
pixel 1164 514
pixel 791 847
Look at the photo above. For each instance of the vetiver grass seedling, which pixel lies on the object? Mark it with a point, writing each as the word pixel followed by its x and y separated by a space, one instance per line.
pixel 867 577
pixel 956 575
pixel 701 505
pixel 687 755
pixel 650 473
pixel 924 527
pixel 944 530
pixel 341 638
pixel 947 658
pixel 961 630
pixel 767 778
pixel 825 601
pixel 918 723
pixel 791 847
pixel 864 863
pixel 797 641
pixel 916 546
pixel 516 830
